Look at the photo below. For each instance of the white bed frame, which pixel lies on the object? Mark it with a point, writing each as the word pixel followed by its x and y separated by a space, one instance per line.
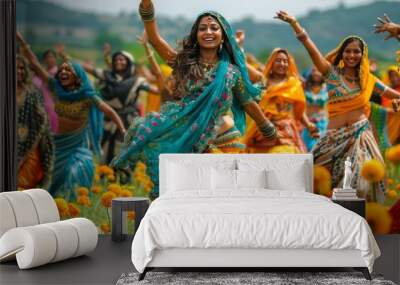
pixel 250 258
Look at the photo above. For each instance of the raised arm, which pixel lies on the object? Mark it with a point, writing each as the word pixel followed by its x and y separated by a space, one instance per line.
pixel 154 66
pixel 107 55
pixel 31 57
pixel 318 59
pixel 146 11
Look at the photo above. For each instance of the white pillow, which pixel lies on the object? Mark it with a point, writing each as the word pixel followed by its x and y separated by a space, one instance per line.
pixel 282 173
pixel 188 177
pixel 251 178
pixel 224 179
pixel 280 180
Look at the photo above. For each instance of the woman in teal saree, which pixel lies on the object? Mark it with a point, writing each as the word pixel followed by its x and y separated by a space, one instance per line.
pixel 80 116
pixel 212 91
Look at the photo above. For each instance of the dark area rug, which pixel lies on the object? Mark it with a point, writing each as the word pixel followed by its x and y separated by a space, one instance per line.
pixel 243 278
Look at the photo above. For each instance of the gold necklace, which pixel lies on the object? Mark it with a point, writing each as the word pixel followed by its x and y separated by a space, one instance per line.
pixel 351 80
pixel 207 66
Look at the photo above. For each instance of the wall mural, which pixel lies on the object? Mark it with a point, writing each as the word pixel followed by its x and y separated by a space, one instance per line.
pixel 90 126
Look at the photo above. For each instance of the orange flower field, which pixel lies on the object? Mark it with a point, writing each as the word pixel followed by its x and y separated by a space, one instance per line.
pixel 95 203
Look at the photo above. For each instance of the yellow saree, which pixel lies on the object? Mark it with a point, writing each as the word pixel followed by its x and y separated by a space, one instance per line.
pixel 284 104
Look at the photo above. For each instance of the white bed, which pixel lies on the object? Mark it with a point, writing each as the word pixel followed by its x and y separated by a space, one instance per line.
pixel 227 217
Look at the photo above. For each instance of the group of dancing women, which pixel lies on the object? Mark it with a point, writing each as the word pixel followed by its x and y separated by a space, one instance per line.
pixel 217 102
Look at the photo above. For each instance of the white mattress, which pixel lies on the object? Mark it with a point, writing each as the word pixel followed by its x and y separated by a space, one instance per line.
pixel 251 219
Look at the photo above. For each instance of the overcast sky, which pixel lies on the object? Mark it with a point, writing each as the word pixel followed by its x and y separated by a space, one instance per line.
pixel 231 9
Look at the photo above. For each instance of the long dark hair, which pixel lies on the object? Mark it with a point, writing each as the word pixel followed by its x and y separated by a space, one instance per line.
pixel 186 64
pixel 343 47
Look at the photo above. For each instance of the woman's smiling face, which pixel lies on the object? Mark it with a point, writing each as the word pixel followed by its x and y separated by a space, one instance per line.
pixel 281 64
pixel 209 33
pixel 352 54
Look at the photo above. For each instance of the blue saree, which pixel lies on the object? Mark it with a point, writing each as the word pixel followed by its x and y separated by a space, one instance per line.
pixel 74 158
pixel 189 125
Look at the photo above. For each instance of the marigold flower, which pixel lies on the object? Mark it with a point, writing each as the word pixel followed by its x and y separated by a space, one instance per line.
pixel 393 154
pixel 96 177
pixel 140 166
pixel 96 189
pixel 105 228
pixel 373 170
pixel 82 191
pixel 131 215
pixel 139 176
pixel 74 211
pixel 104 170
pixel 378 218
pixel 398 187
pixel 147 189
pixel 114 188
pixel 84 201
pixel 126 193
pixel 62 207
pixel 392 194
pixel 322 181
pixel 389 181
pixel 111 178
pixel 106 199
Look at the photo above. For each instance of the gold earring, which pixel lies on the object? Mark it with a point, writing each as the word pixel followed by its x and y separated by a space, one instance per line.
pixel 220 46
pixel 341 64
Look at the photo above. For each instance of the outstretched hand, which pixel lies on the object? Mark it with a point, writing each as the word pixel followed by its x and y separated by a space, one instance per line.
pixel 143 40
pixel 386 25
pixel 106 48
pixel 282 15
pixel 240 36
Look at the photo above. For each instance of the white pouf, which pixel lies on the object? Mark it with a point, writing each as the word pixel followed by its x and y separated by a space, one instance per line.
pixel 31 232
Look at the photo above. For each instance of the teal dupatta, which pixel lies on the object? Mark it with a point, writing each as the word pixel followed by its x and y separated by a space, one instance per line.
pixel 187 126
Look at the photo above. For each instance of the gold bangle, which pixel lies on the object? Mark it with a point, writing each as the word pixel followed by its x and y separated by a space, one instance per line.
pixel 147 14
pixel 302 36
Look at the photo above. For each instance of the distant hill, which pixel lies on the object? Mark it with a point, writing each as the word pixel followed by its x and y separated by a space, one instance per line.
pixel 44 24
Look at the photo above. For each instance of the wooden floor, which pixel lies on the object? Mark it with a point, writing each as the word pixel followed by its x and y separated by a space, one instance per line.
pixel 103 266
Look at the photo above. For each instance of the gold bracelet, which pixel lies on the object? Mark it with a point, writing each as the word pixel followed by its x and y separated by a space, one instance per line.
pixel 302 36
pixel 147 14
